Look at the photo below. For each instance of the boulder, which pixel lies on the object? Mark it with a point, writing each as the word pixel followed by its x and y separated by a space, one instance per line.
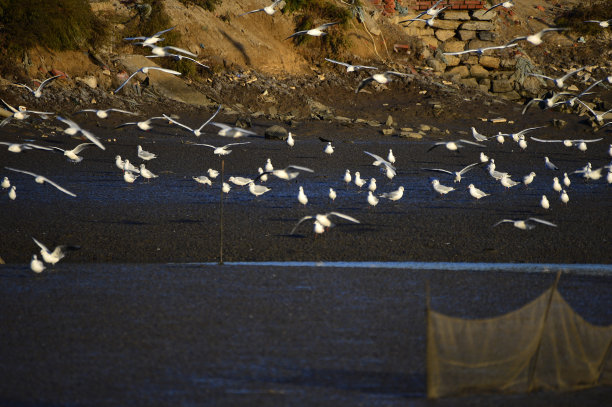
pixel 475 44
pixel 483 15
pixel 446 24
pixel 478 72
pixel 454 46
pixel 456 15
pixel 461 71
pixel 502 86
pixel 487 35
pixel 444 35
pixel 452 60
pixel 478 25
pixel 417 30
pixel 512 95
pixel 431 41
pixel 466 35
pixel 436 64
pixel 469 82
pixel 276 132
pixel 489 61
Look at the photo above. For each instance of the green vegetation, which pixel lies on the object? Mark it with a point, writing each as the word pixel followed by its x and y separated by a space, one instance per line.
pixel 587 10
pixel 311 13
pixel 54 24
pixel 209 5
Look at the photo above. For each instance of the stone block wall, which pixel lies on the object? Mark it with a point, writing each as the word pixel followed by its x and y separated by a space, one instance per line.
pixel 388 6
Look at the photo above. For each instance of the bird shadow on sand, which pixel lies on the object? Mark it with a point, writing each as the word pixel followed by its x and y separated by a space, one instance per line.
pixel 238 46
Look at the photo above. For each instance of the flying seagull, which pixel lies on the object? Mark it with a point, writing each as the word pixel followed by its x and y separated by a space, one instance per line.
pixel 457 174
pixel 349 67
pixel 504 4
pixel 269 10
pixel 480 51
pixel 145 70
pixel 535 39
pixel 38 92
pixel 103 113
pixel 152 39
pixel 39 179
pixel 324 219
pixel 197 132
pixel 223 149
pixel 559 82
pixel 75 128
pixel 315 32
pixel 382 78
pixel 526 224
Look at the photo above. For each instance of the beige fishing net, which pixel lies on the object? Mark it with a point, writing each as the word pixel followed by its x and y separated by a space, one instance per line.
pixel 543 345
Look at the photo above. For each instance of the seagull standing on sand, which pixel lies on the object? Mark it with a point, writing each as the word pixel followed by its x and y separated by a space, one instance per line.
pixel 564 197
pixel 145 155
pixel 544 202
pixel 329 149
pixel 12 193
pixel 391 157
pixel 145 70
pixel 508 182
pixel 476 193
pixel 358 180
pixel 381 78
pixel 226 188
pixel 202 179
pixel 257 190
pixel 290 140
pixel 483 158
pixel 332 194
pixel 315 32
pixel 212 173
pixel 38 92
pixel 372 185
pixel 528 179
pixel 302 198
pixel 526 224
pixel 5 183
pixel 146 173
pixel 556 185
pixel 39 179
pixel 372 200
pixel 439 188
pixel 566 180
pixel 394 195
pixel 347 177
pixel 550 165
pixel 36 265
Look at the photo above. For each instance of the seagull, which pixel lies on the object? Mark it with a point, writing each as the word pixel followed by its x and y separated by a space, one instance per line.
pixel 152 39
pixel 12 193
pixel 103 114
pixel 145 70
pixel 226 188
pixel 203 179
pixel 580 144
pixel 36 265
pixel 332 194
pixel 394 195
pixel 269 167
pixel 516 136
pixel 556 185
pixel 39 179
pixel 75 128
pixel 144 125
pixel 269 10
pixel 212 173
pixel 145 155
pixel 388 167
pixel 432 11
pixel 391 157
pixel 372 200
pixel 454 145
pixel 163 51
pixel 263 177
pixel 229 131
pixel 128 176
pixel 599 117
pixel 429 21
pixel 528 179
pixel 566 180
pixel 223 149
pixel 178 57
pixel 125 165
pixel 5 183
pixel 315 32
pixel 290 140
pixel 21 113
pixel 72 155
pixel 476 193
pixel 522 142
pixel 559 82
pixel 504 4
pixel 508 182
pixel 146 173
pixel 257 189
pixel 18 147
pixel 477 136
pixel 349 67
pixel 324 219
pixel 358 180
pixel 439 188
pixel 479 51
pixel 347 177
pixel 372 185
pixel 457 174
pixel 535 39
pixel 302 198
pixel 483 158
pixel 285 174
pixel 329 149
pixel 549 164
pixel 526 224
pixel 56 255
pixel 544 202
pixel 497 175
pixel 602 24
pixel 38 92
pixel 382 78
pixel 564 197
pixel 240 181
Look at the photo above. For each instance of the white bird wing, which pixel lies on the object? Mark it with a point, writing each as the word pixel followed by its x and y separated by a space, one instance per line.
pixel 541 76
pixel 87 110
pixel 529 129
pixel 22 171
pixel 42 246
pixel 81 147
pixel 297 167
pixel 205 145
pixel 121 111
pixel 363 83
pixel 438 170
pixel 544 222
pixel 21 85
pixel 157 34
pixel 177 123
pixel 9 106
pixel 343 216
pixel 305 218
pixel 382 160
pixel 472 143
pixel 134 38
pixel 181 50
pixel 157 68
pixel 235 144
pixel 38 147
pixel 326 25
pixel 590 141
pixel 64 190
pixel 338 62
pixel 44 83
pixel 211 117
pixel 250 12
pixel 90 136
pixel 468 167
pixel 503 221
pixel 223 126
pixel 460 52
pixel 546 141
pixel 567 75
pixel 127 80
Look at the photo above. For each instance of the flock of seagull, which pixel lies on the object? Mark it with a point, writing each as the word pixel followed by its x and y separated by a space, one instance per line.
pixel 387 166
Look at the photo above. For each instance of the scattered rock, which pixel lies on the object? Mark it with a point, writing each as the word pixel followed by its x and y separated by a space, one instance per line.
pixel 461 71
pixel 410 134
pixel 276 132
pixel 444 35
pixel 387 132
pixel 483 15
pixel 424 127
pixel 478 26
pixel 466 35
pixel 478 72
pixel 389 121
pixel 489 61
pixel 502 85
pixel 559 123
pixel 436 64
